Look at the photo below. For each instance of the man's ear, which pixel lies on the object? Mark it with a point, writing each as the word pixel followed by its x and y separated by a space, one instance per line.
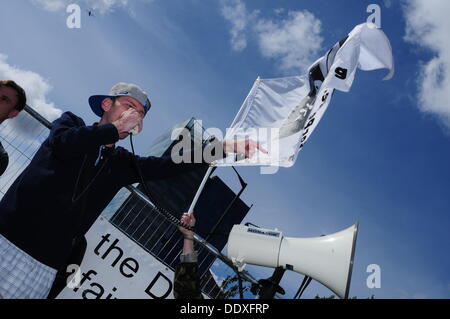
pixel 107 104
pixel 13 113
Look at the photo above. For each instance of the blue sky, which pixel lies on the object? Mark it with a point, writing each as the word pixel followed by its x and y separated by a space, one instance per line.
pixel 380 155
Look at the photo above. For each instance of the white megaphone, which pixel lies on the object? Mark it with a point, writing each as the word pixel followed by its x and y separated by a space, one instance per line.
pixel 327 259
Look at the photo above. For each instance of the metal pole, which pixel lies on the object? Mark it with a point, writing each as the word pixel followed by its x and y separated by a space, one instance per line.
pixel 200 189
pixel 271 285
pixel 38 116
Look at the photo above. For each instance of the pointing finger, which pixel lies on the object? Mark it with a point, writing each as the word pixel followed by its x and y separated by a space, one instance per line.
pixel 262 149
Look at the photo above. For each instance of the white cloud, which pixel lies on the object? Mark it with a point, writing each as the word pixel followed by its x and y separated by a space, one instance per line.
pixel 236 13
pixel 52 5
pixel 292 38
pixel 295 41
pixel 35 86
pixel 279 11
pixel 427 26
pixel 218 280
pixel 101 6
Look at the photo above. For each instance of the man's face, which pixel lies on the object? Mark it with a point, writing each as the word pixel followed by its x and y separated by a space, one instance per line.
pixel 120 105
pixel 8 100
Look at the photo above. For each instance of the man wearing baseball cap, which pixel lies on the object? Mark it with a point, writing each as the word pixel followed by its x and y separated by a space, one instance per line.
pixel 71 179
pixel 126 96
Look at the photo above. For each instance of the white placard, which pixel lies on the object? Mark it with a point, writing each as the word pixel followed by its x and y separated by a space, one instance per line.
pixel 115 267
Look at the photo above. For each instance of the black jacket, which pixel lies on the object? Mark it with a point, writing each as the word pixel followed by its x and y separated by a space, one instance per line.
pixel 40 211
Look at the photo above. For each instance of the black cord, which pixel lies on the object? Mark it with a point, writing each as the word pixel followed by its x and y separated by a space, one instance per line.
pixel 76 197
pixel 170 217
pixel 305 283
pixel 174 220
pixel 241 290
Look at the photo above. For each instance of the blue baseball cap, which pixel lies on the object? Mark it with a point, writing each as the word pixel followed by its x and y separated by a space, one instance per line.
pixel 120 89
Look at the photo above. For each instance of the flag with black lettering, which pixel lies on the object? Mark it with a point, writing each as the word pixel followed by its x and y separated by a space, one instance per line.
pixel 281 113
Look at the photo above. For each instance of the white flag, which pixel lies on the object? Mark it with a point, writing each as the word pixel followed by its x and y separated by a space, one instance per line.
pixel 280 114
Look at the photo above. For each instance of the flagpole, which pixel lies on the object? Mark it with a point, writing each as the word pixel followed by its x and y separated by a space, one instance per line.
pixel 200 189
pixel 210 168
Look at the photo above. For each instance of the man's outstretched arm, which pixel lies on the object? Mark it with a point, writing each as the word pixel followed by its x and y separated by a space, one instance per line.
pixel 168 166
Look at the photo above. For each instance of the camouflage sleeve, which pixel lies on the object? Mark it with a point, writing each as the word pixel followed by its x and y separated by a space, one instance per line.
pixel 187 281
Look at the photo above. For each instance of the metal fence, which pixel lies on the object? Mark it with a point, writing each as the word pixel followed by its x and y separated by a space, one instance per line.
pixel 130 211
pixel 138 218
pixel 21 138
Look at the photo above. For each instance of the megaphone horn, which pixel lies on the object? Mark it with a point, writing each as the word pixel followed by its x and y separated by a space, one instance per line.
pixel 327 259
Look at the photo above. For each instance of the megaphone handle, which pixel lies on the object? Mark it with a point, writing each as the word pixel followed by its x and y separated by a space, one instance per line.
pixel 271 286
